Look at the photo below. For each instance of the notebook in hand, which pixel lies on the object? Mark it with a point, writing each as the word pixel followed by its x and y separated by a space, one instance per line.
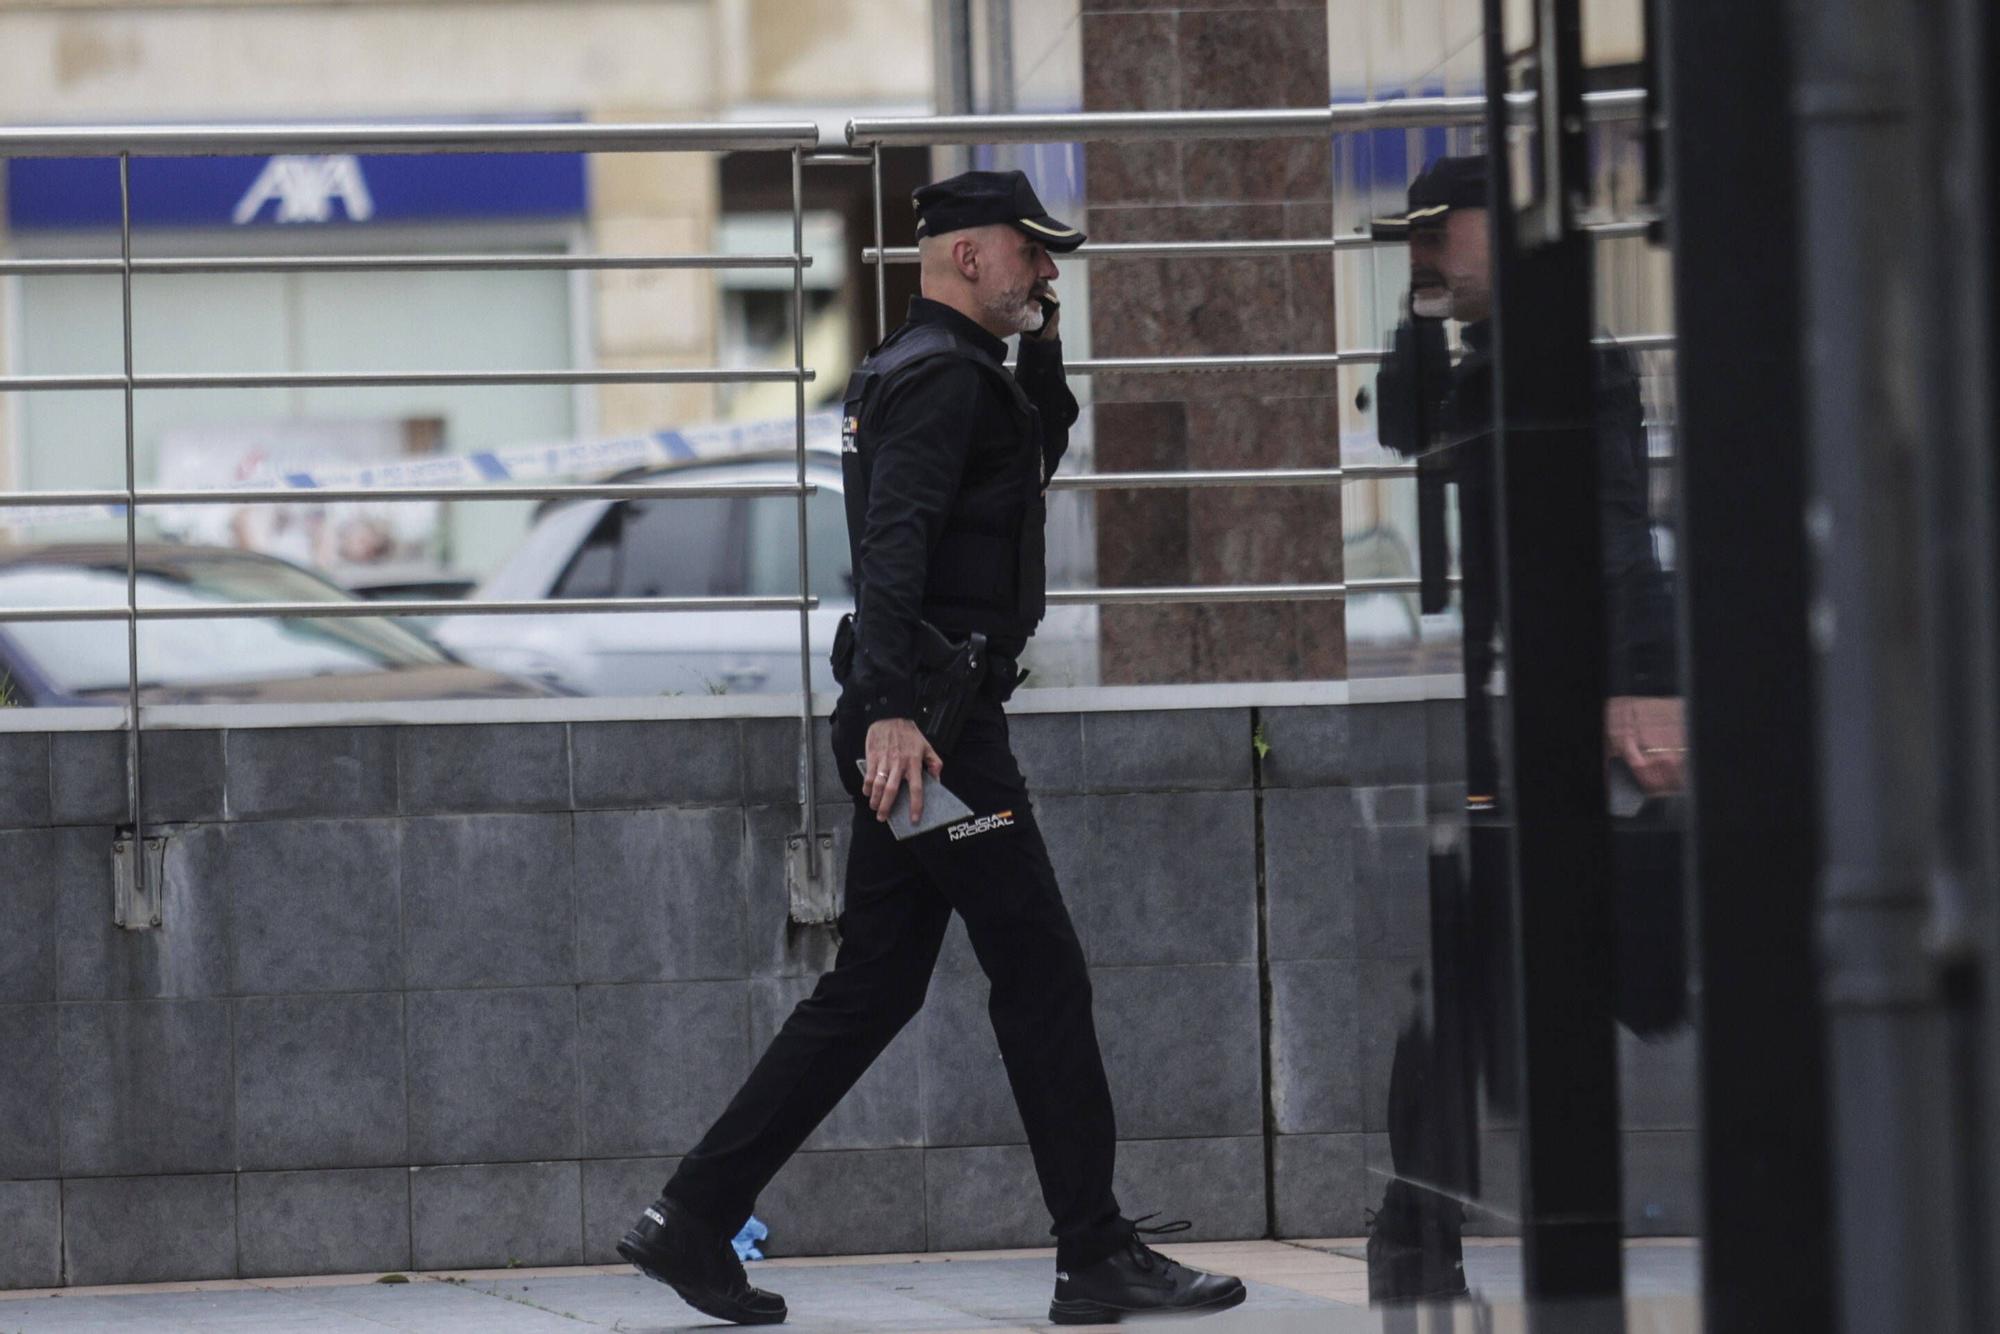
pixel 941 807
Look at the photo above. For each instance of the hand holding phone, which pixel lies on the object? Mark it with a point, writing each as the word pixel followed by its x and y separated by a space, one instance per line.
pixel 1051 315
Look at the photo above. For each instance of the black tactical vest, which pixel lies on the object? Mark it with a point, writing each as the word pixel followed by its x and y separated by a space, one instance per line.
pixel 988 571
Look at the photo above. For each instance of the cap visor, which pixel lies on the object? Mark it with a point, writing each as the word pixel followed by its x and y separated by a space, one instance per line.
pixel 1397 227
pixel 1052 234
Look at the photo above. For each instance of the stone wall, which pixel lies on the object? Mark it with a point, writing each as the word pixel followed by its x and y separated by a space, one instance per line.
pixel 455 996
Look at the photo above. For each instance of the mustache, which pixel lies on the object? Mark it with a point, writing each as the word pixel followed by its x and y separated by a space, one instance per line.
pixel 1426 278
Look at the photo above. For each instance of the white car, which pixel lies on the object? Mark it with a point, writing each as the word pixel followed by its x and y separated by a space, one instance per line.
pixel 729 547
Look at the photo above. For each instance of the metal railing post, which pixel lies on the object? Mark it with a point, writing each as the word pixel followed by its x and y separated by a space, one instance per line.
pixel 809 865
pixel 133 862
pixel 881 276
pixel 810 767
pixel 136 899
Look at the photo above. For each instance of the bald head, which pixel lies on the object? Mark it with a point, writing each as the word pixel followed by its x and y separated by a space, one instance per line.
pixel 992 275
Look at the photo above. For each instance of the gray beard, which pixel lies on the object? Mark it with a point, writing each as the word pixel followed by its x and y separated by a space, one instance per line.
pixel 1018 315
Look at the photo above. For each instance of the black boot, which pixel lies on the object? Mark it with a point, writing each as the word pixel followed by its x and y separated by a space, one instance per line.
pixel 1414 1247
pixel 670 1244
pixel 1138 1280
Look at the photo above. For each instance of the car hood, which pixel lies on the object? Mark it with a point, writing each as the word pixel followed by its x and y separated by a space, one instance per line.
pixel 442 681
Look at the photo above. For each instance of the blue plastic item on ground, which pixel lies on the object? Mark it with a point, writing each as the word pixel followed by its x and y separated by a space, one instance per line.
pixel 746 1240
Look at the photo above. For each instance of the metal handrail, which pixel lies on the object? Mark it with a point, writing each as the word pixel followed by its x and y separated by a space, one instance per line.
pixel 1097 481
pixel 318 611
pixel 1410 113
pixel 1103 250
pixel 25 384
pixel 1181 593
pixel 1296 361
pixel 311 611
pixel 113 141
pixel 1233 477
pixel 1276 361
pixel 1099 126
pixel 393 264
pixel 279 494
pixel 1193 480
pixel 1196 593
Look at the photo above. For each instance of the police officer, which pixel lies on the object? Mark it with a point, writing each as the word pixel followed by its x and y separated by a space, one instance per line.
pixel 946 458
pixel 1443 414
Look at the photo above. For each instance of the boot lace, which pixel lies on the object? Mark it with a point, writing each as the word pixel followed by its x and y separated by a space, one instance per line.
pixel 1147 1257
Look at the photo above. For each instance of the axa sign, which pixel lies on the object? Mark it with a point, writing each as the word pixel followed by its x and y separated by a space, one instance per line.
pixel 295 190
pixel 307 189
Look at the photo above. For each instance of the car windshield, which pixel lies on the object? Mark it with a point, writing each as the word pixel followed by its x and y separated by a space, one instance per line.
pixel 85 657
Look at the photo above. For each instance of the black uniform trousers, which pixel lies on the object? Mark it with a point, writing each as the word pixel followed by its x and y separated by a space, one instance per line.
pixel 900 897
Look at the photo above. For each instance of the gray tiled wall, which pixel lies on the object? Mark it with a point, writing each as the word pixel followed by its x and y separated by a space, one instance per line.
pixel 456 996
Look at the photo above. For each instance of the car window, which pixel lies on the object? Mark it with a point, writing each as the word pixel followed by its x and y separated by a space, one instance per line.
pixel 595 564
pixel 712 548
pixel 773 557
pixel 681 548
pixel 83 657
pixel 659 549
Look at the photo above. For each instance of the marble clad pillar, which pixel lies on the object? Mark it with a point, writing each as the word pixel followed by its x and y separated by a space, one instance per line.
pixel 1153 56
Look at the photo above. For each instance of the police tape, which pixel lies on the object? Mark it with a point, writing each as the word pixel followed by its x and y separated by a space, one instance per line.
pixel 496 468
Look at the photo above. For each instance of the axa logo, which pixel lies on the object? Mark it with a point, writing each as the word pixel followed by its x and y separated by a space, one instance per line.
pixel 985 824
pixel 305 189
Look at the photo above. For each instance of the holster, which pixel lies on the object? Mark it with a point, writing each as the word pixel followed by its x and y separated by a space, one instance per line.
pixel 950 675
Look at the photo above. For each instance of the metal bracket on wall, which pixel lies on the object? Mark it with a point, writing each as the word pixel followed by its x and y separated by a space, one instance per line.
pixel 137 902
pixel 812 881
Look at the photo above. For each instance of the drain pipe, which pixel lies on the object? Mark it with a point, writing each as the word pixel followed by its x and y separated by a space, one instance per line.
pixel 1870 325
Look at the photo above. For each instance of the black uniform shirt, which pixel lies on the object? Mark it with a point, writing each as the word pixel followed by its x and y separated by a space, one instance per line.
pixel 944 448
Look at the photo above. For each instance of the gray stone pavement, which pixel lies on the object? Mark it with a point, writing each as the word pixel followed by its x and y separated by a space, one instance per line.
pixel 1319 1286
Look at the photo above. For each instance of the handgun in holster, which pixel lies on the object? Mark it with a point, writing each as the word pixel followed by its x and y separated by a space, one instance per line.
pixel 950 674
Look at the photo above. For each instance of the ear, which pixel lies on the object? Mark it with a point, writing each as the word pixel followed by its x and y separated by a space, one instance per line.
pixel 965 256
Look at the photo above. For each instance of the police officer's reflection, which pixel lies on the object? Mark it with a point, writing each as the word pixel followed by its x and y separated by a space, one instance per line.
pixel 1442 414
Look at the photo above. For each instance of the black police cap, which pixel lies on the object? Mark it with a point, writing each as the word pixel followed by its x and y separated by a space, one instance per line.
pixel 1446 184
pixel 982 198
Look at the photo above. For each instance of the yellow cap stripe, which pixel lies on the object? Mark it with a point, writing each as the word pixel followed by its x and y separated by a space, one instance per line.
pixel 1048 231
